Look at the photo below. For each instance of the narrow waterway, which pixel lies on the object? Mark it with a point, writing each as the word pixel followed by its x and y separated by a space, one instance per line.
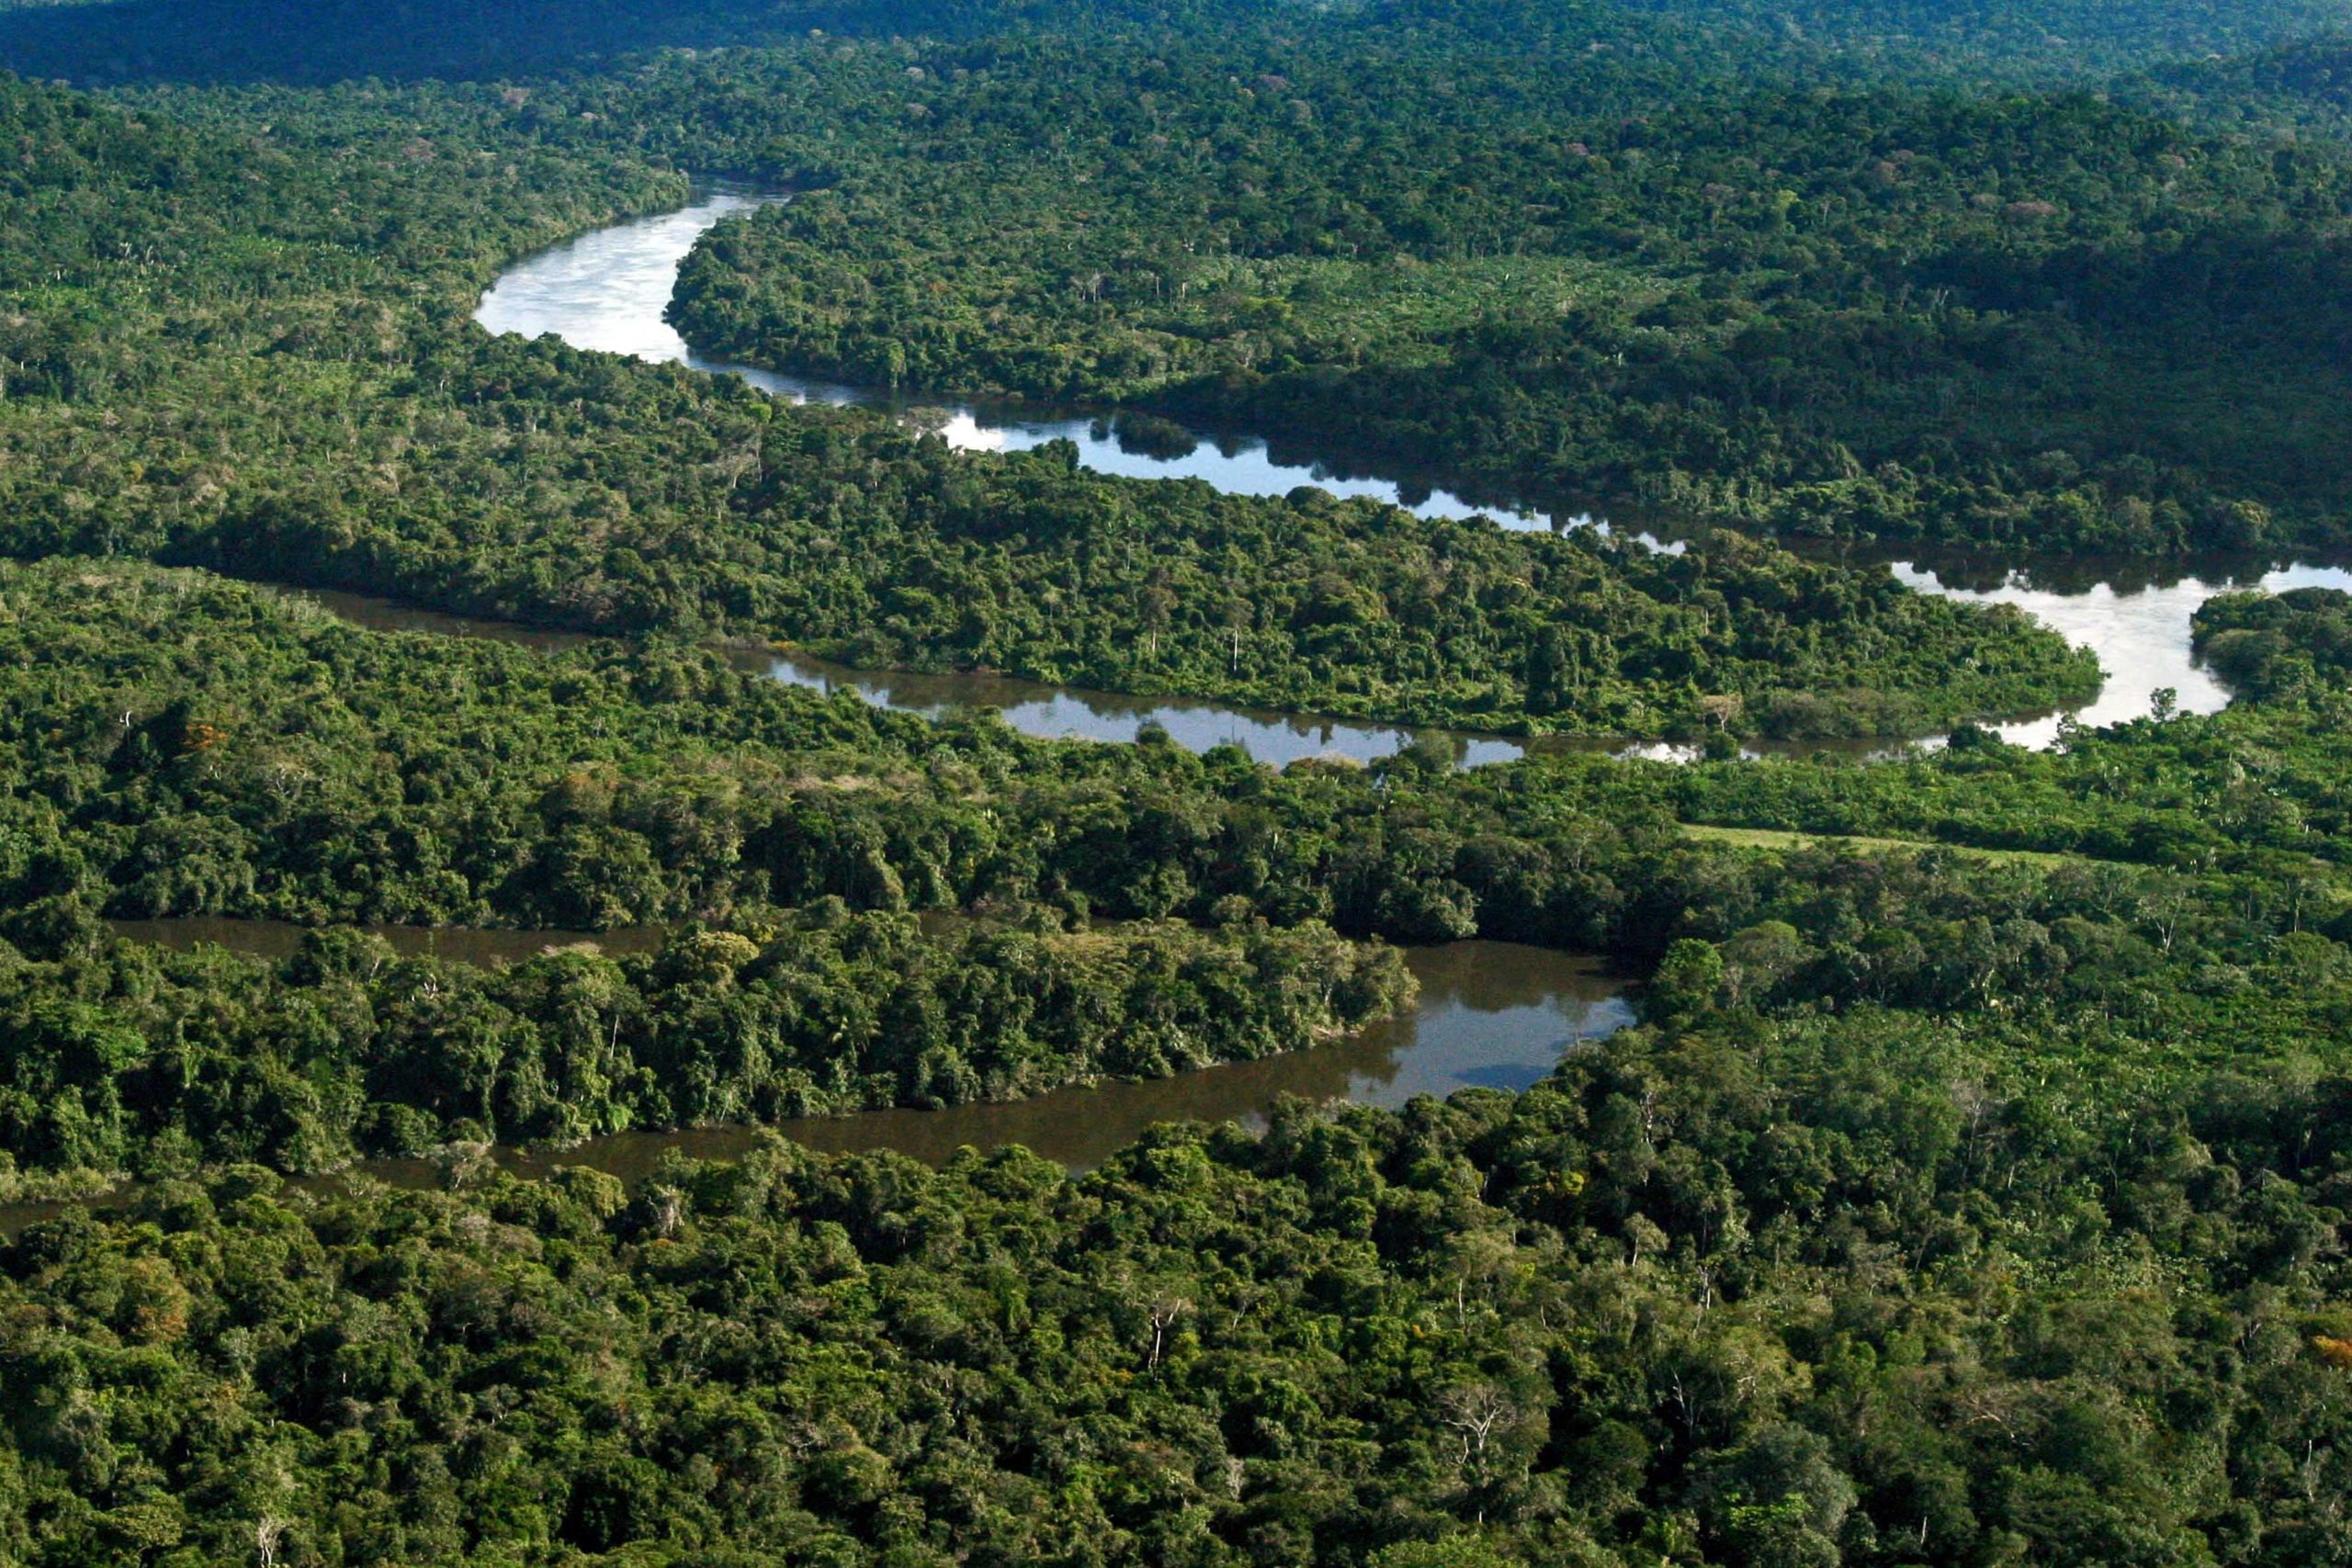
pixel 1490 1015
pixel 609 291
pixel 1062 712
pixel 1033 707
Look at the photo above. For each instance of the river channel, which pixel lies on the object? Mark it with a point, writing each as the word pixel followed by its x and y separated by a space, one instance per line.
pixel 609 289
pixel 1490 1015
pixel 1033 707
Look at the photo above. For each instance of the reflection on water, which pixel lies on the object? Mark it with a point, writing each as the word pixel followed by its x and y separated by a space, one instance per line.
pixel 609 291
pixel 1032 707
pixel 1490 1015
pixel 1069 713
pixel 1056 713
pixel 2138 626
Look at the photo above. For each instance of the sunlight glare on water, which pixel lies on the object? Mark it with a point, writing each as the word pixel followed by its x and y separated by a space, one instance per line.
pixel 607 290
pixel 2142 637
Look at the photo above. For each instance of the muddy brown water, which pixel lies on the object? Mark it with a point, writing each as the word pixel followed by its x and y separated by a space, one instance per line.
pixel 1490 1015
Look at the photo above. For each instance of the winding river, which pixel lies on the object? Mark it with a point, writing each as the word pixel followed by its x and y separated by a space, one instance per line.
pixel 1490 1015
pixel 608 291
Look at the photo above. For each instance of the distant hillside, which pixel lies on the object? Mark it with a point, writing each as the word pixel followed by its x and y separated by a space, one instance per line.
pixel 318 42
pixel 314 42
pixel 2309 82
pixel 2043 39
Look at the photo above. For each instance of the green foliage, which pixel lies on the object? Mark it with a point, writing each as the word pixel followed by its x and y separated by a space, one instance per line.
pixel 1949 1207
pixel 2272 645
pixel 2000 40
pixel 2254 789
pixel 1807 1295
pixel 168 397
pixel 123 1055
pixel 318 771
pixel 1608 277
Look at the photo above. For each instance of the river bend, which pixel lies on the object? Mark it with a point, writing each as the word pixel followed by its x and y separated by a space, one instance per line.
pixel 1489 1015
pixel 608 291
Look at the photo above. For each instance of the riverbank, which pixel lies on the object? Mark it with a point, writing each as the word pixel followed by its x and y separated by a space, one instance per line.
pixel 609 291
pixel 1488 1015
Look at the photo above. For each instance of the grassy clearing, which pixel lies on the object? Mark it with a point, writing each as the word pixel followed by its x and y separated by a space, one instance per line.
pixel 1781 839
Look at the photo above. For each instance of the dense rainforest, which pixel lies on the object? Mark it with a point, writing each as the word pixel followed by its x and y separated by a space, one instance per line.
pixel 2053 1277
pixel 2270 644
pixel 287 420
pixel 1844 1232
pixel 1973 1189
pixel 1864 309
pixel 345 1049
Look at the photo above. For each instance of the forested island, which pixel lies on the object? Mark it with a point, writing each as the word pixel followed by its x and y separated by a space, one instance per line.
pixel 1973 1187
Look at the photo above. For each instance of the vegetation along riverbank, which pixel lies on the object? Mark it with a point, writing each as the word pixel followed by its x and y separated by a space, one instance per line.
pixel 1964 1182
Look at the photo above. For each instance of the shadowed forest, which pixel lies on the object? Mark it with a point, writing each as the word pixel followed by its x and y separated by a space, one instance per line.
pixel 1973 1187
